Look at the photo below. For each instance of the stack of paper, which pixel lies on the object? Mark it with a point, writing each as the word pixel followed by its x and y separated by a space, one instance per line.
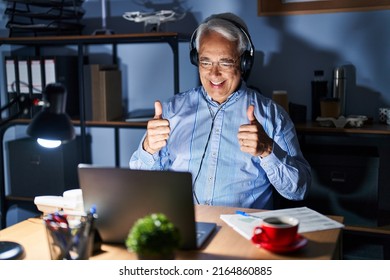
pixel 309 220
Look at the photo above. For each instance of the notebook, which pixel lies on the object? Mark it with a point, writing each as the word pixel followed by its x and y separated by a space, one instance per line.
pixel 122 196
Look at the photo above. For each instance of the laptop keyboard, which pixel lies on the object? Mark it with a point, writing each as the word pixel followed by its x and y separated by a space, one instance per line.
pixel 199 234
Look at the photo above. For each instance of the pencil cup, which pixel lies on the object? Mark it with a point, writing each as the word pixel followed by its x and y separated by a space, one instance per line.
pixel 70 237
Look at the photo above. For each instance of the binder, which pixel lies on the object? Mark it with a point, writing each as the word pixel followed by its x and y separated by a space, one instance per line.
pixel 36 75
pixel 36 81
pixel 17 71
pixel 103 88
pixel 30 75
pixel 63 69
pixel 12 85
pixel 10 72
pixel 49 70
pixel 23 72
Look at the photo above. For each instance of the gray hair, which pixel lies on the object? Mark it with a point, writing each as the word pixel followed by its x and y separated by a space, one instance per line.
pixel 227 29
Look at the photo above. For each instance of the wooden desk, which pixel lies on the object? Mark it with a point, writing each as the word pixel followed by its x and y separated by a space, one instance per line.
pixel 225 243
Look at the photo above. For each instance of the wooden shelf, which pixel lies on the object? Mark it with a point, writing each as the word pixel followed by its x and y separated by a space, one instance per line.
pixel 151 37
pixel 315 128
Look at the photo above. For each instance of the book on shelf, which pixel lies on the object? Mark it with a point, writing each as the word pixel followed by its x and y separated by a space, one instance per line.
pixel 103 92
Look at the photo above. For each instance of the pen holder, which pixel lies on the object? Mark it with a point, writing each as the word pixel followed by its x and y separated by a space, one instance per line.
pixel 70 237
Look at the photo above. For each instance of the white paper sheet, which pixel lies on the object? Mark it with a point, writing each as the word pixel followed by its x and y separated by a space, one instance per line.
pixel 309 220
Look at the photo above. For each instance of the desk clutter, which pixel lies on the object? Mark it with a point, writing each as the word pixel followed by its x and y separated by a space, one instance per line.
pixel 328 102
pixel 340 122
pixel 70 230
pixel 70 237
pixel 224 244
pixel 71 202
pixel 301 219
pixel 291 224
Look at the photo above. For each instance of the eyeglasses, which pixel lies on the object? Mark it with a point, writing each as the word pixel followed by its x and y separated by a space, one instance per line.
pixel 224 65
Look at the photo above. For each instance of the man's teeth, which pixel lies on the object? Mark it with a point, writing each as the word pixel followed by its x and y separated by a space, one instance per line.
pixel 216 84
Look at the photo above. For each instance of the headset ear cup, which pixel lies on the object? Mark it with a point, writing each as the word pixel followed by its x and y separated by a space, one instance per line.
pixel 246 61
pixel 194 56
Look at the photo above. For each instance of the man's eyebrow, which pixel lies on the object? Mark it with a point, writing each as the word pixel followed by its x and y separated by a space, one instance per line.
pixel 225 59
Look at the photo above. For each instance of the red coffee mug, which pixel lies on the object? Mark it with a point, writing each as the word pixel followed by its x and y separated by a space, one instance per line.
pixel 278 231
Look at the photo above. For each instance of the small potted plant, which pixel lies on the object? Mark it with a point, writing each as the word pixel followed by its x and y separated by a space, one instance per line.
pixel 153 237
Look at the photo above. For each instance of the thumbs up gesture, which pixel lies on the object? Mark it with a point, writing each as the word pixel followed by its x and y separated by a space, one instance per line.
pixel 157 132
pixel 252 137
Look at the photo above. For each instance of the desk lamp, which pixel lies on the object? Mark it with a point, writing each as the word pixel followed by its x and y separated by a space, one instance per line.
pixel 50 126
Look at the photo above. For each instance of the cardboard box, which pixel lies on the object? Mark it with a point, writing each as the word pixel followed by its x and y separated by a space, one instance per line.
pixel 103 93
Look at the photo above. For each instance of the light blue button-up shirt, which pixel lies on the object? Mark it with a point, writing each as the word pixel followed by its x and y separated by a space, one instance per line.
pixel 201 128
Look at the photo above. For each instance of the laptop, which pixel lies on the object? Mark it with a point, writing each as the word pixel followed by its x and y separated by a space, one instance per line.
pixel 122 196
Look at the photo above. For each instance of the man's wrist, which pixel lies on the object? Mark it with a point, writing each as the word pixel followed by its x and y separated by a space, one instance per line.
pixel 267 150
pixel 146 147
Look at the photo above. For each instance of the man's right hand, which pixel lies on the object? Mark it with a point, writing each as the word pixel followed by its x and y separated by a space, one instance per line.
pixel 157 132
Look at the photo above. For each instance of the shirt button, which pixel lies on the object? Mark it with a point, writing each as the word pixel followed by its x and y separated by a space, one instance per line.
pixel 210 178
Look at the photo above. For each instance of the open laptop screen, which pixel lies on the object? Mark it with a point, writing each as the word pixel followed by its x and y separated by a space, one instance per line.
pixel 122 196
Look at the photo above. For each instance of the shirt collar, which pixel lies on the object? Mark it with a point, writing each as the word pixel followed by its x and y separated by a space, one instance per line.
pixel 231 99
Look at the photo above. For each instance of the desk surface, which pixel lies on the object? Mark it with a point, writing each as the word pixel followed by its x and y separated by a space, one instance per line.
pixel 225 243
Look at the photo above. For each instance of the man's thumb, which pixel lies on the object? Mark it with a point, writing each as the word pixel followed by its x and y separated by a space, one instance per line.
pixel 251 113
pixel 157 110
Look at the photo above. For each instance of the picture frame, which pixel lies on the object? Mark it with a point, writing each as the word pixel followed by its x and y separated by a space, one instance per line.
pixel 286 7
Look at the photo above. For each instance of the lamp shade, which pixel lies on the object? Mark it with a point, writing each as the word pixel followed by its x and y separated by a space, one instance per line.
pixel 52 122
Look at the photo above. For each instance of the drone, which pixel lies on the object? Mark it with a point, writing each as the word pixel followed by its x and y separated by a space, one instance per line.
pixel 155 18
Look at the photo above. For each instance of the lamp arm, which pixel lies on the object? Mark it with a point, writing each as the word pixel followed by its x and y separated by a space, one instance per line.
pixel 24 103
pixel 6 106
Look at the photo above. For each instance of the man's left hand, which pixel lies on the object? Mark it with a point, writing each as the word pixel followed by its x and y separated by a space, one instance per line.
pixel 252 137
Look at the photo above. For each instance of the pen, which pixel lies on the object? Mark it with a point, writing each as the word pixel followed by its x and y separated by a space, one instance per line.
pixel 247 215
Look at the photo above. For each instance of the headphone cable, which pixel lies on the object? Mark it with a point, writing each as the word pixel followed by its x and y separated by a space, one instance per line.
pixel 213 116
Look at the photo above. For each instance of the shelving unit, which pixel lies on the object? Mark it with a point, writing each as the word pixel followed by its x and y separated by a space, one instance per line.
pixel 171 38
pixel 80 42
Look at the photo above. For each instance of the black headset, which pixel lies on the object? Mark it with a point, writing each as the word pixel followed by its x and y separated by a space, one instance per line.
pixel 246 59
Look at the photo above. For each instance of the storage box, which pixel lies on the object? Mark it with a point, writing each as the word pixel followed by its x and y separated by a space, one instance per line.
pixel 103 92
